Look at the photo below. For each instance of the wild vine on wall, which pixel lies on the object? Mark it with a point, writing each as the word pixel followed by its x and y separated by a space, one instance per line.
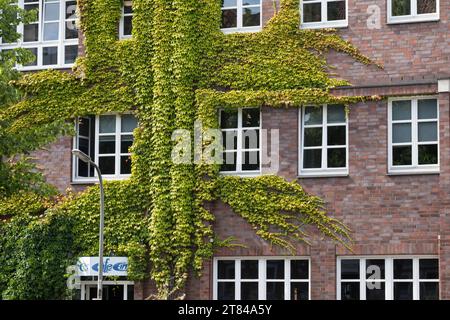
pixel 177 68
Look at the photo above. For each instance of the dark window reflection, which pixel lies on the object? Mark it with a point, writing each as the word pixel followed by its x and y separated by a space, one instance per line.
pixel 350 269
pixel 275 290
pixel 249 291
pixel 403 268
pixel 403 291
pixel 350 291
pixel 275 269
pixel 299 291
pixel 225 291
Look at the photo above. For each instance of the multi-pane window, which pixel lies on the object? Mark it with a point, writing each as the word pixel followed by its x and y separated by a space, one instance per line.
pixel 126 22
pixel 380 278
pixel 324 145
pixel 401 11
pixel 107 140
pixel 241 140
pixel 241 15
pixel 53 37
pixel 250 278
pixel 324 13
pixel 413 135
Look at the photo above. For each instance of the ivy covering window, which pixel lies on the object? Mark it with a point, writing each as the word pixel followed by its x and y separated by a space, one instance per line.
pixel 126 22
pixel 402 11
pixel 380 278
pixel 324 13
pixel 53 37
pixel 241 140
pixel 261 279
pixel 324 141
pixel 413 135
pixel 107 140
pixel 241 15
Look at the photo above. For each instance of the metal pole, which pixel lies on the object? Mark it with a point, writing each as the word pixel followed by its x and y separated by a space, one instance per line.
pixel 100 244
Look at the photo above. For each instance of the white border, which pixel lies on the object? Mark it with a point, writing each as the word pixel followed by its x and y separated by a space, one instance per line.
pixel 239 27
pixel 324 23
pixel 413 17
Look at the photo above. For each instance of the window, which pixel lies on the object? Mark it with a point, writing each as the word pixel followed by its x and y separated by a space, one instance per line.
pixel 324 141
pixel 106 139
pixel 126 22
pixel 241 15
pixel 324 13
pixel 381 278
pixel 413 135
pixel 53 37
pixel 241 141
pixel 251 278
pixel 404 11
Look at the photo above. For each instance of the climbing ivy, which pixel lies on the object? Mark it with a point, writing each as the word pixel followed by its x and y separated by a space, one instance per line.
pixel 177 68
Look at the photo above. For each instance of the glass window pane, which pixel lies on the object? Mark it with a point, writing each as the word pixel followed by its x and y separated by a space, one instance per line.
pixel 427 131
pixel 127 25
pixel 225 291
pixel 71 9
pixel 401 110
pixel 229 161
pixel 50 55
pixel 428 269
pixel 401 132
pixel 128 6
pixel 228 119
pixel 229 140
pixel 125 165
pixel 128 123
pixel 336 136
pixel 70 54
pixel 107 144
pixel 229 3
pixel 130 292
pixel 403 268
pixel 299 269
pixel 250 139
pixel 249 269
pixel 401 7
pixel 251 16
pixel 51 12
pixel 375 269
pixel 299 291
pixel 30 32
pixel 107 165
pixel 225 269
pixel 250 2
pixel 336 10
pixel 401 156
pixel 313 137
pixel 83 127
pixel 336 113
pixel 350 269
pixel 350 291
pixel 229 18
pixel 51 31
pixel 34 52
pixel 125 143
pixel 337 158
pixel 403 291
pixel 312 158
pixel 275 291
pixel 108 124
pixel 275 269
pixel 250 117
pixel 426 6
pixel 313 115
pixel 249 291
pixel 427 109
pixel 375 291
pixel 71 31
pixel 428 154
pixel 250 161
pixel 82 169
pixel 312 12
pixel 429 291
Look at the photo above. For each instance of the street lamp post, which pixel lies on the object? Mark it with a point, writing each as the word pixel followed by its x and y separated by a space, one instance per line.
pixel 85 158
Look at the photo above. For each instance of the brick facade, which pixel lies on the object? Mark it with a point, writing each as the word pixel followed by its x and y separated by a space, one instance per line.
pixel 389 214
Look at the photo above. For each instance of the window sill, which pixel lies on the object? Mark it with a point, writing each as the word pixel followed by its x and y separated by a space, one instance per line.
pixel 95 180
pixel 241 30
pixel 241 174
pixel 409 19
pixel 323 174
pixel 419 171
pixel 55 67
pixel 323 25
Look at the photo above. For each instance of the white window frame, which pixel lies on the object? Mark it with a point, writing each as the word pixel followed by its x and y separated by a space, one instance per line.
pixel 87 284
pixel 413 17
pixel 61 43
pixel 323 171
pixel 324 23
pixel 239 27
pixel 118 134
pixel 414 168
pixel 262 280
pixel 388 276
pixel 239 149
pixel 122 22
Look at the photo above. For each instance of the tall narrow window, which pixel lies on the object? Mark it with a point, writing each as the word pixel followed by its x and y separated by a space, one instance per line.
pixel 126 22
pixel 324 13
pixel 241 15
pixel 404 11
pixel 413 135
pixel 324 141
pixel 241 140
